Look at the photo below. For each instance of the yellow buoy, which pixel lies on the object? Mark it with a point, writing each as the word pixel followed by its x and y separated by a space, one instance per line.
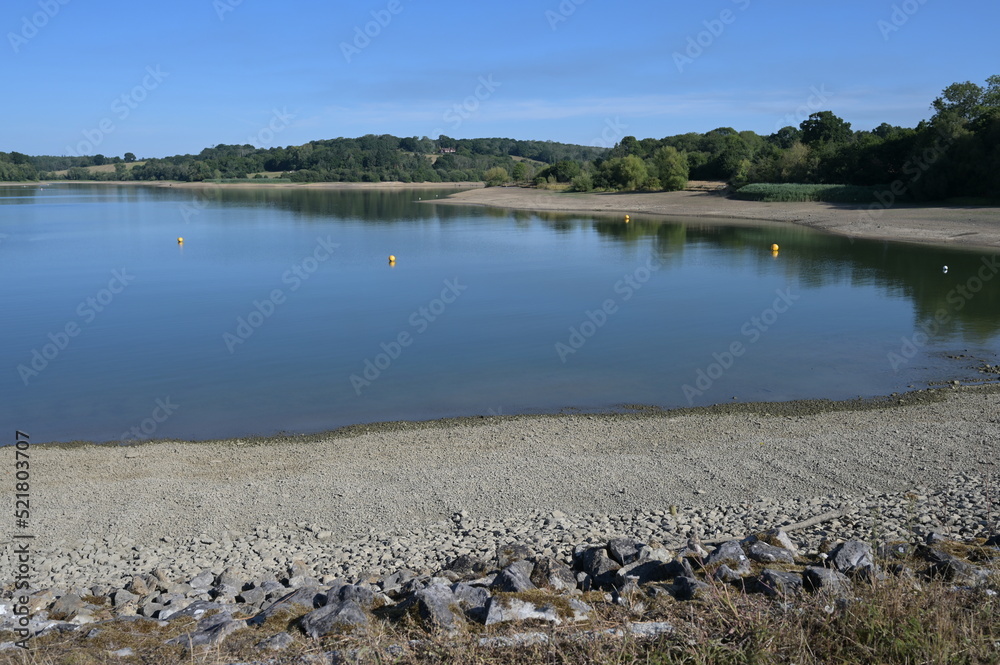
pixel 774 248
pixel 392 258
pixel 180 241
pixel 626 219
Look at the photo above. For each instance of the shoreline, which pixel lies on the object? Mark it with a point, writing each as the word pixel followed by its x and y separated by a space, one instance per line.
pixel 397 488
pixel 965 227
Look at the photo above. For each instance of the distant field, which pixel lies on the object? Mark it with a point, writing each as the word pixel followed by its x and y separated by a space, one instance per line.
pixel 103 168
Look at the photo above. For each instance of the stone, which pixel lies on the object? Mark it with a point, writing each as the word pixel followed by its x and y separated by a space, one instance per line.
pixel 993 541
pixel 779 538
pixel 515 578
pixel 509 554
pixel 688 588
pixel 468 566
pixel 956 571
pixel 726 574
pixel 439 609
pixel 852 556
pixel 212 634
pixel 598 565
pixel 894 551
pixel 650 629
pixel 516 640
pixel 826 579
pixel 362 595
pixel 624 550
pixel 730 553
pixel 506 608
pixel 551 574
pixel 643 572
pixel 230 577
pixel 122 598
pixel 762 552
pixel 335 618
pixel 278 642
pixel 779 583
pixel 203 581
pixel 198 609
pixel 472 599
pixel 254 596
pixel 308 597
pixel 138 586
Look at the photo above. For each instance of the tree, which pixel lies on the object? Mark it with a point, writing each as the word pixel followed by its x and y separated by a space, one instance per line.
pixel 496 176
pixel 625 173
pixel 825 127
pixel 671 167
pixel 129 157
pixel 520 172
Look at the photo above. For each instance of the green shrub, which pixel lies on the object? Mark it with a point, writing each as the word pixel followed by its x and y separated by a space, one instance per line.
pixel 770 192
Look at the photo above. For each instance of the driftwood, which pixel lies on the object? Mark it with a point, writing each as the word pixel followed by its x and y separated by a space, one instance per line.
pixel 805 524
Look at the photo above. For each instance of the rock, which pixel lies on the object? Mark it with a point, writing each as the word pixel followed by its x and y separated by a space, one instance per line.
pixel 362 595
pixel 779 538
pixel 308 597
pixel 650 629
pixel 552 574
pixel 203 581
pixel 852 556
pixel 278 642
pixel 509 554
pixel 210 633
pixel 138 586
pixel 624 550
pixel 598 565
pixel 516 640
pixel 254 596
pixel 643 572
pixel 468 567
pixel 506 608
pixel 230 578
pixel 122 598
pixel 394 582
pixel 688 588
pixel 779 583
pixel 515 578
pixel 726 574
pixel 335 618
pixel 198 609
pixel 762 552
pixel 956 571
pixel 993 541
pixel 826 579
pixel 472 599
pixel 730 553
pixel 894 551
pixel 439 609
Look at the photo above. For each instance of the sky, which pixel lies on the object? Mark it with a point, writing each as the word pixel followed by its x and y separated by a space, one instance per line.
pixel 158 79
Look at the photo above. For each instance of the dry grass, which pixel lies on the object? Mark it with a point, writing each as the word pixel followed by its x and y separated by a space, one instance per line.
pixel 899 620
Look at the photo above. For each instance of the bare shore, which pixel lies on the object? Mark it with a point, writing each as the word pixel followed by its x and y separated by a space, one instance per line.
pixel 962 226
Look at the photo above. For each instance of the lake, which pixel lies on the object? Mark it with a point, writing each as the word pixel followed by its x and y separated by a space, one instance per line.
pixel 280 312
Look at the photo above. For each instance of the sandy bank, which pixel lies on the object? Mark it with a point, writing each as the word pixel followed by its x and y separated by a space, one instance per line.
pixel 972 227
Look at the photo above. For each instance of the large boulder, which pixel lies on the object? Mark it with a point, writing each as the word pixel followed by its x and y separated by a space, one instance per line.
pixel 515 578
pixel 340 617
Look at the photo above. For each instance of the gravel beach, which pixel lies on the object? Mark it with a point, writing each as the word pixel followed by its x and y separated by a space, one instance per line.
pixel 370 499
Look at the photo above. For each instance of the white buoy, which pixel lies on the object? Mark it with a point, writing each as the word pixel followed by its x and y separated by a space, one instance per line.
pixel 944 269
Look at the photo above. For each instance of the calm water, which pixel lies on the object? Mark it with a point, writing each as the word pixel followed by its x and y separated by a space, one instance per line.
pixel 280 312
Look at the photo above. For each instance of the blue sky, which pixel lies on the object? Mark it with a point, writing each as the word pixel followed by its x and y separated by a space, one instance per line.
pixel 159 79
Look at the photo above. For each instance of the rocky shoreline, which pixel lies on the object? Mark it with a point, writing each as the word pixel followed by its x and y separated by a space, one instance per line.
pixel 519 584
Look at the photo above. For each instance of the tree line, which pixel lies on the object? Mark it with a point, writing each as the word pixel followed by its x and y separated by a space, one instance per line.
pixel 956 153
